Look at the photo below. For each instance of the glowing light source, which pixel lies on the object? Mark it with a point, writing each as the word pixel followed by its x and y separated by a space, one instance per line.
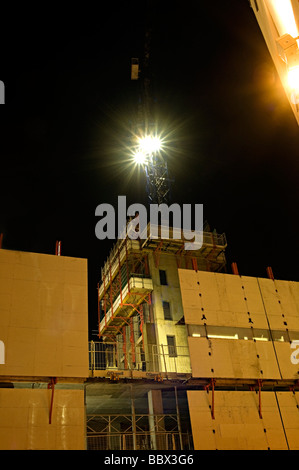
pixel 283 16
pixel 149 144
pixel 293 78
pixel 140 158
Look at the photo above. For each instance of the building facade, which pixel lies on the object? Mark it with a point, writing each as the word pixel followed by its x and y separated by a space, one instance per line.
pixel 188 357
pixel 191 357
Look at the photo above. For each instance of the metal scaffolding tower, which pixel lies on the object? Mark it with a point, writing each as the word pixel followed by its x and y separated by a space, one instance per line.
pixel 156 167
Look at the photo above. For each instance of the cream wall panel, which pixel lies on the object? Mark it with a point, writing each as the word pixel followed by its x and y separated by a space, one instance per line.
pixel 289 408
pixel 240 359
pixel 288 292
pixel 209 360
pixel 281 303
pixel 289 371
pixel 221 299
pixel 43 315
pixel 24 420
pixel 237 425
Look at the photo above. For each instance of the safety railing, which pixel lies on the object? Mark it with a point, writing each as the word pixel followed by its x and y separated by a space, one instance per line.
pixel 142 441
pixel 135 283
pixel 151 358
pixel 122 246
pixel 136 432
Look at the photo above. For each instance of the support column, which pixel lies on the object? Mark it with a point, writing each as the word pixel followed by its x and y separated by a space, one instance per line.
pixel 133 419
pixel 178 418
pixel 156 422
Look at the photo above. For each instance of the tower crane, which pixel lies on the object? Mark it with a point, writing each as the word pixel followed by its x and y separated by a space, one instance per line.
pixel 149 152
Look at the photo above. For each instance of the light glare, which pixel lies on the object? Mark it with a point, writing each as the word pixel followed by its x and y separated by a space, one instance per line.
pixel 283 14
pixel 140 158
pixel 149 144
pixel 293 78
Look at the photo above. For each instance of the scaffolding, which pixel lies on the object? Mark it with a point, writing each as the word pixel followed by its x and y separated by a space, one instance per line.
pixel 151 359
pixel 124 293
pixel 136 432
pixel 210 256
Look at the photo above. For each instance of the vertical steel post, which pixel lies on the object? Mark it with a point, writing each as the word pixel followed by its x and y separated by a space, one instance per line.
pixel 162 347
pixel 133 420
pixel 58 248
pixel 178 418
pixel 270 273
pixel 119 278
pixel 235 269
pixel 92 357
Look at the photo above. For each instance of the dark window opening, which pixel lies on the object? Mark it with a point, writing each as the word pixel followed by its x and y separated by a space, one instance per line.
pixel 163 279
pixel 172 352
pixel 166 310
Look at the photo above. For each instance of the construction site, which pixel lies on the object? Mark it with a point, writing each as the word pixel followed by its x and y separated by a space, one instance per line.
pixel 190 353
pixel 189 356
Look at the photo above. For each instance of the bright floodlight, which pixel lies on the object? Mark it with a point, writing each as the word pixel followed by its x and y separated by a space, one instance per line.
pixel 293 78
pixel 140 158
pixel 149 144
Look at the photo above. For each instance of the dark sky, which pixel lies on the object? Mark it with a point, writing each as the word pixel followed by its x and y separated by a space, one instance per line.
pixel 233 140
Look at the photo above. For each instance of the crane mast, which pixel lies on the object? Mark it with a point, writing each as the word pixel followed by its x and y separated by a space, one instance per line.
pixel 155 166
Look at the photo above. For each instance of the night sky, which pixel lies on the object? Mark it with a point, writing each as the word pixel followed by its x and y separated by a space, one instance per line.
pixel 233 142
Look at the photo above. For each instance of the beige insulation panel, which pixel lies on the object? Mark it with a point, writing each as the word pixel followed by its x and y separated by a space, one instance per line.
pixel 281 301
pixel 289 409
pixel 24 420
pixel 237 424
pixel 43 315
pixel 221 299
pixel 239 359
pixel 288 360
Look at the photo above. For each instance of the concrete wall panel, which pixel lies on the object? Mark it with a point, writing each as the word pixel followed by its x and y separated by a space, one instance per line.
pixel 238 359
pixel 222 299
pixel 43 315
pixel 284 353
pixel 281 300
pixel 24 420
pixel 289 408
pixel 237 425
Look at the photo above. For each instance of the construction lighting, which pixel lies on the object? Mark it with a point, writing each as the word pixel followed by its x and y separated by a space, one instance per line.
pixel 140 158
pixel 146 147
pixel 197 335
pixel 283 16
pixel 293 78
pixel 223 336
pixel 149 144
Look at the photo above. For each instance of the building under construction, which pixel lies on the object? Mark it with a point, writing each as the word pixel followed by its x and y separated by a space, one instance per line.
pixel 198 358
pixel 190 354
pixel 188 357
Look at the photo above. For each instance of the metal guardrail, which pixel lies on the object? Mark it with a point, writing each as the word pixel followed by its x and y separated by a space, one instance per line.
pixel 155 359
pixel 142 441
pixel 136 432
pixel 208 238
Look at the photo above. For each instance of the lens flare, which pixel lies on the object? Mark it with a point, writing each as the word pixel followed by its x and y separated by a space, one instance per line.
pixel 293 78
pixel 149 144
pixel 140 158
